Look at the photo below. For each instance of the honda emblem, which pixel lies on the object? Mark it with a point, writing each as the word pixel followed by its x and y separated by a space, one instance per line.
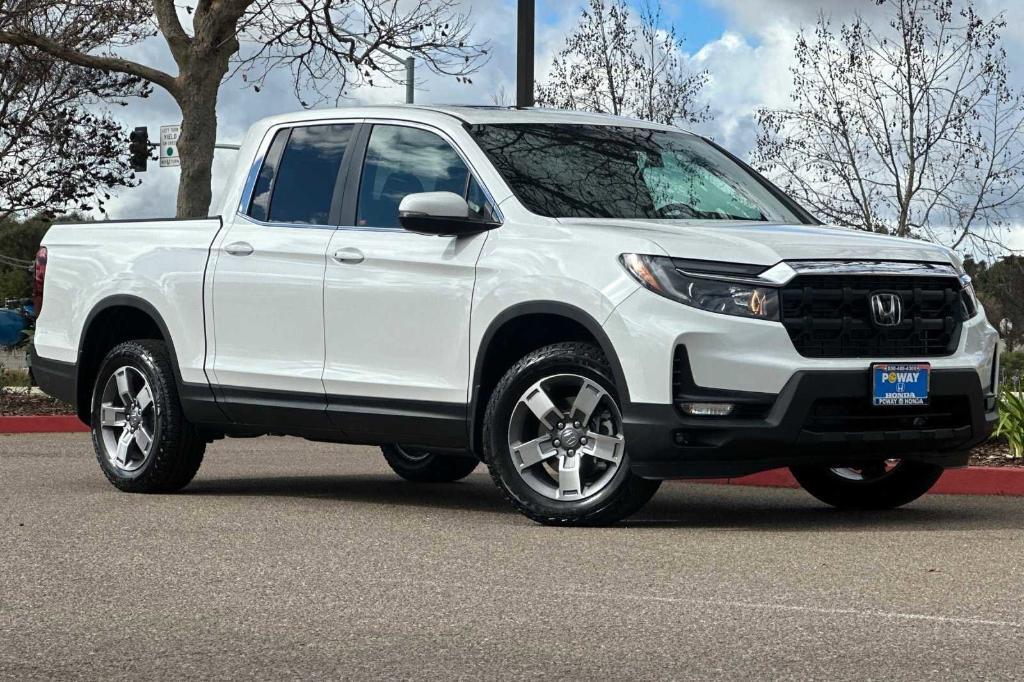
pixel 886 309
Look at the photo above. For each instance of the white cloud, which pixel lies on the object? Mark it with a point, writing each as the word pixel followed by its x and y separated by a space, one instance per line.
pixel 743 77
pixel 1015 239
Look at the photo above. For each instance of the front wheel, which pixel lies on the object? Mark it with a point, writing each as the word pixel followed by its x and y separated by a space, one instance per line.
pixel 554 442
pixel 423 465
pixel 883 484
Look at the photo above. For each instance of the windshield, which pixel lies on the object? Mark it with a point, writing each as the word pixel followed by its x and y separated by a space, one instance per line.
pixel 587 171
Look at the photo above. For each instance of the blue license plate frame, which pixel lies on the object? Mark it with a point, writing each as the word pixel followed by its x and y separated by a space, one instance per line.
pixel 900 384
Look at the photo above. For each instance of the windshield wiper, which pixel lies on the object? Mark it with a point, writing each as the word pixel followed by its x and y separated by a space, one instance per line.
pixel 691 212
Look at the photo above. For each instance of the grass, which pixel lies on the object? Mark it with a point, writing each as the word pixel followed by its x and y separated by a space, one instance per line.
pixel 1011 420
pixel 14 378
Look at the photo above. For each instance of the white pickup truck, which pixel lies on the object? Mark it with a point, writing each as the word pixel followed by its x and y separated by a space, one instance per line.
pixel 587 304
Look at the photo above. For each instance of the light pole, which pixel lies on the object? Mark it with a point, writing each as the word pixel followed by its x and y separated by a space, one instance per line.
pixel 410 78
pixel 524 54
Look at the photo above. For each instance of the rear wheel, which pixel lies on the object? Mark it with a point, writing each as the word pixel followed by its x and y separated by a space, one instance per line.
pixel 142 440
pixel 883 484
pixel 424 465
pixel 554 441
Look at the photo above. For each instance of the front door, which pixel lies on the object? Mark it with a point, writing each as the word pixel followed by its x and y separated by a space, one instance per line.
pixel 397 304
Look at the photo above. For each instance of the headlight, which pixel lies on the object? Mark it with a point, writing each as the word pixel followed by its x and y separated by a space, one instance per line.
pixel 744 299
pixel 968 297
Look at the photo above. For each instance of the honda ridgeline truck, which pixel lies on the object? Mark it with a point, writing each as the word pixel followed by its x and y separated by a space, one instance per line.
pixel 586 304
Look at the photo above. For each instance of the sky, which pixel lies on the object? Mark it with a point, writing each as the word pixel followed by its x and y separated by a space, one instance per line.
pixel 745 45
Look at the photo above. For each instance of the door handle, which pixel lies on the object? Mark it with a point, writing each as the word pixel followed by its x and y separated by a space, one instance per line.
pixel 350 256
pixel 239 249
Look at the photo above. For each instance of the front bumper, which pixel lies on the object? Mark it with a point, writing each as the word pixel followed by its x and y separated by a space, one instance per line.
pixel 789 428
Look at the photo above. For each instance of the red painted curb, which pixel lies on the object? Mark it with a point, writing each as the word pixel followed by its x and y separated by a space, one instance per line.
pixel 969 481
pixel 42 424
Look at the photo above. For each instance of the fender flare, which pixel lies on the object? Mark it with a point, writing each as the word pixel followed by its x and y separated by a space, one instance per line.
pixel 559 308
pixel 140 304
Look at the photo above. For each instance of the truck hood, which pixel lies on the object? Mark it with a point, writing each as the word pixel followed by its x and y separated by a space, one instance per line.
pixel 767 244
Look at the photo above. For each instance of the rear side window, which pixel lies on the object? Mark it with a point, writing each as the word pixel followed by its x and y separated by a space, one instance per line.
pixel 401 161
pixel 299 175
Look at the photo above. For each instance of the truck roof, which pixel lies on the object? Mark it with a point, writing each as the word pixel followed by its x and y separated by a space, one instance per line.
pixel 468 114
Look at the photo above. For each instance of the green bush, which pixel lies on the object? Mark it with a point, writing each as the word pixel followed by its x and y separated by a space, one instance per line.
pixel 1011 419
pixel 1012 364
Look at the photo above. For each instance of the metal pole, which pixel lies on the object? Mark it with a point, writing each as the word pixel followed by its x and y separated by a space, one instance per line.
pixel 524 54
pixel 410 80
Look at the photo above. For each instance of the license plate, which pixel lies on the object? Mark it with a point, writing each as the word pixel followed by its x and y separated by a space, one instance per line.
pixel 899 384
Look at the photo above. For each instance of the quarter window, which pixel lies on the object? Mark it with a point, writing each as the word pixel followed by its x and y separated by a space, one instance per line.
pixel 480 207
pixel 401 161
pixel 260 207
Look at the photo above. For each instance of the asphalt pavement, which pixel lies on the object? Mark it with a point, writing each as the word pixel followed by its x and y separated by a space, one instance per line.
pixel 288 559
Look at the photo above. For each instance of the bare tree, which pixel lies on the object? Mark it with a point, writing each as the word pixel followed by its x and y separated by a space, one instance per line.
pixel 328 45
pixel 908 128
pixel 55 154
pixel 612 65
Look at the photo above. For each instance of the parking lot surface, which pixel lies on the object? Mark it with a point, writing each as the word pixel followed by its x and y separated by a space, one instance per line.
pixel 290 559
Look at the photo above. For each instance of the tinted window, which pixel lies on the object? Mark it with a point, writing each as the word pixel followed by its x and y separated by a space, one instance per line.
pixel 480 207
pixel 260 207
pixel 401 161
pixel 586 171
pixel 305 177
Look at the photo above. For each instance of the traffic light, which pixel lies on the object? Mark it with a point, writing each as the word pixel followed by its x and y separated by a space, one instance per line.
pixel 139 148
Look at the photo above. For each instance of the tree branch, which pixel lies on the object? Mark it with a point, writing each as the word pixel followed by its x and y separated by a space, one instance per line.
pixel 170 26
pixel 105 63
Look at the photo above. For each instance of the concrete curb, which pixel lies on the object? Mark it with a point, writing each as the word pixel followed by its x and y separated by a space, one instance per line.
pixel 42 424
pixel 968 481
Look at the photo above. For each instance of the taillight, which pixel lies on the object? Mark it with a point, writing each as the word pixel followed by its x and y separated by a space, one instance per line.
pixel 38 279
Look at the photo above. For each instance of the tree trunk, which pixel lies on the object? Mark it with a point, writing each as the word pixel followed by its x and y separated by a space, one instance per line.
pixel 198 101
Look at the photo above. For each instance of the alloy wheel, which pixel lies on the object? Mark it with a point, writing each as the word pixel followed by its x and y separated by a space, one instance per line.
pixel 565 437
pixel 127 419
pixel 868 472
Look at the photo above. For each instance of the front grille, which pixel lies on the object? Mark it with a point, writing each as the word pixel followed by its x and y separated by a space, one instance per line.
pixel 829 316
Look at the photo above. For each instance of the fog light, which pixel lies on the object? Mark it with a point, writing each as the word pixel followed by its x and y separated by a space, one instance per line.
pixel 707 409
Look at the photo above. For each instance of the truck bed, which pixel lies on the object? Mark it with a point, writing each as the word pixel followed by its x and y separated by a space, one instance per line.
pixel 92 266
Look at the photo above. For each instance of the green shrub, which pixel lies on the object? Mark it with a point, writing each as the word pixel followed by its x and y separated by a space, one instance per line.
pixel 1011 419
pixel 1012 364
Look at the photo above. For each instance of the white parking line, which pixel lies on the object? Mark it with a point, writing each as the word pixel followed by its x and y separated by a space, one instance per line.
pixel 857 613
pixel 730 604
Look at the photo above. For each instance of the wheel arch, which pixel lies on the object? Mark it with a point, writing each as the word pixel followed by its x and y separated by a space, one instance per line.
pixel 567 323
pixel 113 320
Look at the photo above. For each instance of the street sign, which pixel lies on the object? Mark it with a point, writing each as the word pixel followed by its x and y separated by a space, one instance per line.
pixel 169 146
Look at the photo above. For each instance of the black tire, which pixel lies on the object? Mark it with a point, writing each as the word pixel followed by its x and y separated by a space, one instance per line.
pixel 177 448
pixel 623 495
pixel 902 485
pixel 421 465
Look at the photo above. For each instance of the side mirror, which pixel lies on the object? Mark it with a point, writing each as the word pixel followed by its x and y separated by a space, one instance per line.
pixel 444 214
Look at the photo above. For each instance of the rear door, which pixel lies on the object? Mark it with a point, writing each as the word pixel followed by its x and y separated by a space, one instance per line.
pixel 268 283
pixel 397 304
